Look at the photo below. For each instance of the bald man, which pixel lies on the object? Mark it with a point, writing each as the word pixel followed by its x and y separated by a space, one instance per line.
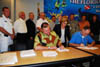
pixel 21 32
pixel 40 21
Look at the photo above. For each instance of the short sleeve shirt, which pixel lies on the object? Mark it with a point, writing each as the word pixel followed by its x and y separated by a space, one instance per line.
pixel 77 38
pixel 40 21
pixel 20 26
pixel 6 24
pixel 51 40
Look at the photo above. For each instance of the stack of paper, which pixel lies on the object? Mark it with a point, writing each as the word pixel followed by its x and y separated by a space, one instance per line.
pixel 89 48
pixel 27 53
pixel 62 50
pixel 8 58
pixel 49 53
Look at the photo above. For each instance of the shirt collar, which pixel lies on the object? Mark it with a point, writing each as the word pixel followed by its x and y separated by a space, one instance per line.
pixel 21 19
pixel 42 19
pixel 46 34
pixel 82 35
pixel 31 20
pixel 7 19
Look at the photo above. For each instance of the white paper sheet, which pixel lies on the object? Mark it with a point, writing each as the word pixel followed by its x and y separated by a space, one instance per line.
pixel 8 58
pixel 62 50
pixel 89 48
pixel 49 53
pixel 27 53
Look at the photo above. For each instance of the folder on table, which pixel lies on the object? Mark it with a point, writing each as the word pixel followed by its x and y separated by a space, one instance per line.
pixel 49 53
pixel 8 58
pixel 27 53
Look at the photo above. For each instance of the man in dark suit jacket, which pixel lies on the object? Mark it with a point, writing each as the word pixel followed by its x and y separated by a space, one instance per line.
pixel 31 30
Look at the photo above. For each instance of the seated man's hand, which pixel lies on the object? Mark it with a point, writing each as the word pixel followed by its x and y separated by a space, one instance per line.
pixel 90 45
pixel 81 45
pixel 53 47
pixel 62 47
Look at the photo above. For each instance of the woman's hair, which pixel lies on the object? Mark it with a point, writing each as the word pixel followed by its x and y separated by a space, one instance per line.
pixel 64 19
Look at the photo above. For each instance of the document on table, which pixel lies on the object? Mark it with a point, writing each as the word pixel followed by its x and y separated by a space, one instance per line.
pixel 49 53
pixel 62 50
pixel 27 53
pixel 8 58
pixel 89 48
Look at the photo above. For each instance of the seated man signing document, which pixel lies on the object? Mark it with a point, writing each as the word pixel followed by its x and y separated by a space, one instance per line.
pixel 47 39
pixel 82 38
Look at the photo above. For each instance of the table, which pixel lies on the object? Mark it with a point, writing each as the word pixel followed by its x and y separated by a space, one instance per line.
pixel 95 52
pixel 73 55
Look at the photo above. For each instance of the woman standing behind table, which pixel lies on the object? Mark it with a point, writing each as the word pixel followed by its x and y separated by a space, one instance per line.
pixel 63 31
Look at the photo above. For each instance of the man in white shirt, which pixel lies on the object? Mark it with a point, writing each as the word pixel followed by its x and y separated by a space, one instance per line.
pixel 6 30
pixel 21 32
pixel 40 21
